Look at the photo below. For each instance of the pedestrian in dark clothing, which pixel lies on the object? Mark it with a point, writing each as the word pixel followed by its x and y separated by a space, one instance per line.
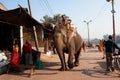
pixel 110 46
pixel 27 51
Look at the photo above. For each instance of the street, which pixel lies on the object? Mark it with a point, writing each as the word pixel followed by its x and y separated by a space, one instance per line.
pixel 92 67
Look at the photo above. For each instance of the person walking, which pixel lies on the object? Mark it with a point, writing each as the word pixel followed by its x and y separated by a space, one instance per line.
pixel 27 51
pixel 110 46
pixel 84 46
pixel 101 46
pixel 103 49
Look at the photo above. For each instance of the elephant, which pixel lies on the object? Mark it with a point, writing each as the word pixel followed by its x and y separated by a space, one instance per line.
pixel 66 42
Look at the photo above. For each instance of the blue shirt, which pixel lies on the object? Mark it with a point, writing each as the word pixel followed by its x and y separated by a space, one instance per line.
pixel 110 46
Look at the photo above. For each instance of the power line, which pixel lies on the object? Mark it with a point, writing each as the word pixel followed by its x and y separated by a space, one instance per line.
pixel 48 7
pixel 47 3
pixel 44 8
pixel 100 11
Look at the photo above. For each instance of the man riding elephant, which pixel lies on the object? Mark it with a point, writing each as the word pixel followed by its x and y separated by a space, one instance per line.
pixel 66 42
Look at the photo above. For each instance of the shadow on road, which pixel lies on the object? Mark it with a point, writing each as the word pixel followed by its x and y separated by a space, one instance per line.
pixel 51 65
pixel 99 71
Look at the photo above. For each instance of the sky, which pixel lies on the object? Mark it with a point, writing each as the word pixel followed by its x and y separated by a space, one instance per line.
pixel 99 11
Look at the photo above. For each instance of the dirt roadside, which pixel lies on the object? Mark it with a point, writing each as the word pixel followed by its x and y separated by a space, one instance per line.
pixel 92 67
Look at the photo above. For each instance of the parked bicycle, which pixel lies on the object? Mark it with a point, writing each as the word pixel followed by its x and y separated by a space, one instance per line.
pixel 117 61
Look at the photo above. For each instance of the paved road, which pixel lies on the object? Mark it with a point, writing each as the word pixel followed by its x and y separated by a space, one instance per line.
pixel 92 67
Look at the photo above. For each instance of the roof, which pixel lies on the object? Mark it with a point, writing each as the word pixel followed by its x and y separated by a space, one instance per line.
pixel 19 17
pixel 2 7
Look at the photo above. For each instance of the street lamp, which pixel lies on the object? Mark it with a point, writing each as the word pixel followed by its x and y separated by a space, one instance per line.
pixel 88 30
pixel 113 18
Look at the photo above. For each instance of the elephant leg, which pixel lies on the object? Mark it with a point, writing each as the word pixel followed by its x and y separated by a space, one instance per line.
pixel 54 50
pixel 63 66
pixel 77 55
pixel 62 59
pixel 70 57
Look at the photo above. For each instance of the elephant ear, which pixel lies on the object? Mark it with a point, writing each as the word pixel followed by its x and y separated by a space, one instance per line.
pixel 60 29
pixel 71 33
pixel 63 31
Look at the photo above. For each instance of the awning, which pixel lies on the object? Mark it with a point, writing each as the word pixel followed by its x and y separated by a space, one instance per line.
pixel 19 17
pixel 2 7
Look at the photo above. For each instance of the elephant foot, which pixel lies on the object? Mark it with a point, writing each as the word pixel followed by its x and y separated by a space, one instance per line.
pixel 76 64
pixel 63 69
pixel 71 66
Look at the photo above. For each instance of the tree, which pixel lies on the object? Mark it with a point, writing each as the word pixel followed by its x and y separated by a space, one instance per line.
pixel 105 37
pixel 108 0
pixel 47 19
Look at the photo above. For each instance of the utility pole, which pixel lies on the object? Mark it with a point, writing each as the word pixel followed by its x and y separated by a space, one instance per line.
pixel 88 31
pixel 113 18
pixel 34 30
pixel 29 7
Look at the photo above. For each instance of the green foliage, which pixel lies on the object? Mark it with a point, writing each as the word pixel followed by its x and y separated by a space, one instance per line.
pixel 47 19
pixel 108 0
pixel 53 20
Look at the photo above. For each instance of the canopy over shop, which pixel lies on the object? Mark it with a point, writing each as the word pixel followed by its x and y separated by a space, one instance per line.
pixel 11 23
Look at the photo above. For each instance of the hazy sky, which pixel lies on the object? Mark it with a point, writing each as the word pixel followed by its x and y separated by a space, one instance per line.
pixel 99 11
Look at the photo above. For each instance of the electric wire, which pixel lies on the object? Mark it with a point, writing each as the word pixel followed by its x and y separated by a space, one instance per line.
pixel 47 4
pixel 46 7
pixel 100 11
pixel 43 8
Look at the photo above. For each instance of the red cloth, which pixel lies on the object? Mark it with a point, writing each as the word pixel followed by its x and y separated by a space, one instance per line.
pixel 27 48
pixel 15 58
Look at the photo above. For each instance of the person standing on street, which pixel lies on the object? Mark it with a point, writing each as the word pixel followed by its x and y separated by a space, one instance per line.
pixel 110 46
pixel 27 51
